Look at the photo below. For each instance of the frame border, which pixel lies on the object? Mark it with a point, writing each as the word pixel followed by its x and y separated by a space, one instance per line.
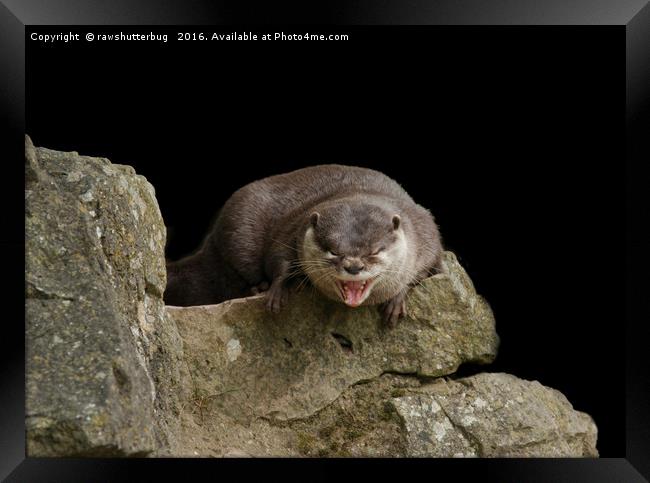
pixel 633 14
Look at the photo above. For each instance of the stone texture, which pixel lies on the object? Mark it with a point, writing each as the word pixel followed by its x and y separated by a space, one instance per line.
pixel 98 345
pixel 293 364
pixel 494 415
pixel 393 415
pixel 112 372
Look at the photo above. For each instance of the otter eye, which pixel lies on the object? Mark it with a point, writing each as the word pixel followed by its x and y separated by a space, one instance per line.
pixel 378 251
pixel 333 254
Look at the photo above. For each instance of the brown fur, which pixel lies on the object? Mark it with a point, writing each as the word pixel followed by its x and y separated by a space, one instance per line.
pixel 256 239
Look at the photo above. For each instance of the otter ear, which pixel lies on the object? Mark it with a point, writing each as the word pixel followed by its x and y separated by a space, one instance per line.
pixel 313 219
pixel 396 221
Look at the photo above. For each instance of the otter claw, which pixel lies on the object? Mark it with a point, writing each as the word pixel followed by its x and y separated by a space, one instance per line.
pixel 394 309
pixel 277 298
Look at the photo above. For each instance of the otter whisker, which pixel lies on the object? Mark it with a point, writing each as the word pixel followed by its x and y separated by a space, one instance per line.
pixel 309 276
pixel 322 277
pixel 311 265
pixel 283 244
pixel 413 276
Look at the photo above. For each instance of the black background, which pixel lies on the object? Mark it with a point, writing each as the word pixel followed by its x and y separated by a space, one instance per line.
pixel 511 136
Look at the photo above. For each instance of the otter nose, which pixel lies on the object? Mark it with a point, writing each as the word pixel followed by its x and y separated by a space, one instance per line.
pixel 354 269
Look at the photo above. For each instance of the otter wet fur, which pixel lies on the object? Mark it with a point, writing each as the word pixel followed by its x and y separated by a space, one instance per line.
pixel 353 233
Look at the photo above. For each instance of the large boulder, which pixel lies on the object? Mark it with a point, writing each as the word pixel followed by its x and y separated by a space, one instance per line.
pixel 393 415
pixel 111 371
pixel 324 380
pixel 100 351
pixel 293 364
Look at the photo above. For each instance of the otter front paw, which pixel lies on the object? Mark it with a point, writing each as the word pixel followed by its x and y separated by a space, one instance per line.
pixel 394 309
pixel 277 297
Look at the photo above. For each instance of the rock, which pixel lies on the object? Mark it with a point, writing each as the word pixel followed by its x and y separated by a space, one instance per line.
pixel 292 365
pixel 320 379
pixel 487 415
pixel 494 415
pixel 111 371
pixel 31 163
pixel 99 349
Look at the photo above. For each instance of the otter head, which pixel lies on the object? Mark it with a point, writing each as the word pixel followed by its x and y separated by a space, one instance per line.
pixel 355 252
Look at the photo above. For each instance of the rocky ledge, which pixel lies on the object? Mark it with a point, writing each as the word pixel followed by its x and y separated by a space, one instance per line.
pixel 111 371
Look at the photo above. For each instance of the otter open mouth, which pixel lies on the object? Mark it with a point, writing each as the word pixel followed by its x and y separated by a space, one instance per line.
pixel 353 292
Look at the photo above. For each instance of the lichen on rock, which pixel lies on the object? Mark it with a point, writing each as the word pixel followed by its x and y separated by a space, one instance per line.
pixel 494 415
pixel 293 364
pixel 99 348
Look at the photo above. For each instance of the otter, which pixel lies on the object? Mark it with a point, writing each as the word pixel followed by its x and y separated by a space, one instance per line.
pixel 353 233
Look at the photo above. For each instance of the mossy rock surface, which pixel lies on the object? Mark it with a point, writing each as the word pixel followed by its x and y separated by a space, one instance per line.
pixel 292 364
pixel 100 351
